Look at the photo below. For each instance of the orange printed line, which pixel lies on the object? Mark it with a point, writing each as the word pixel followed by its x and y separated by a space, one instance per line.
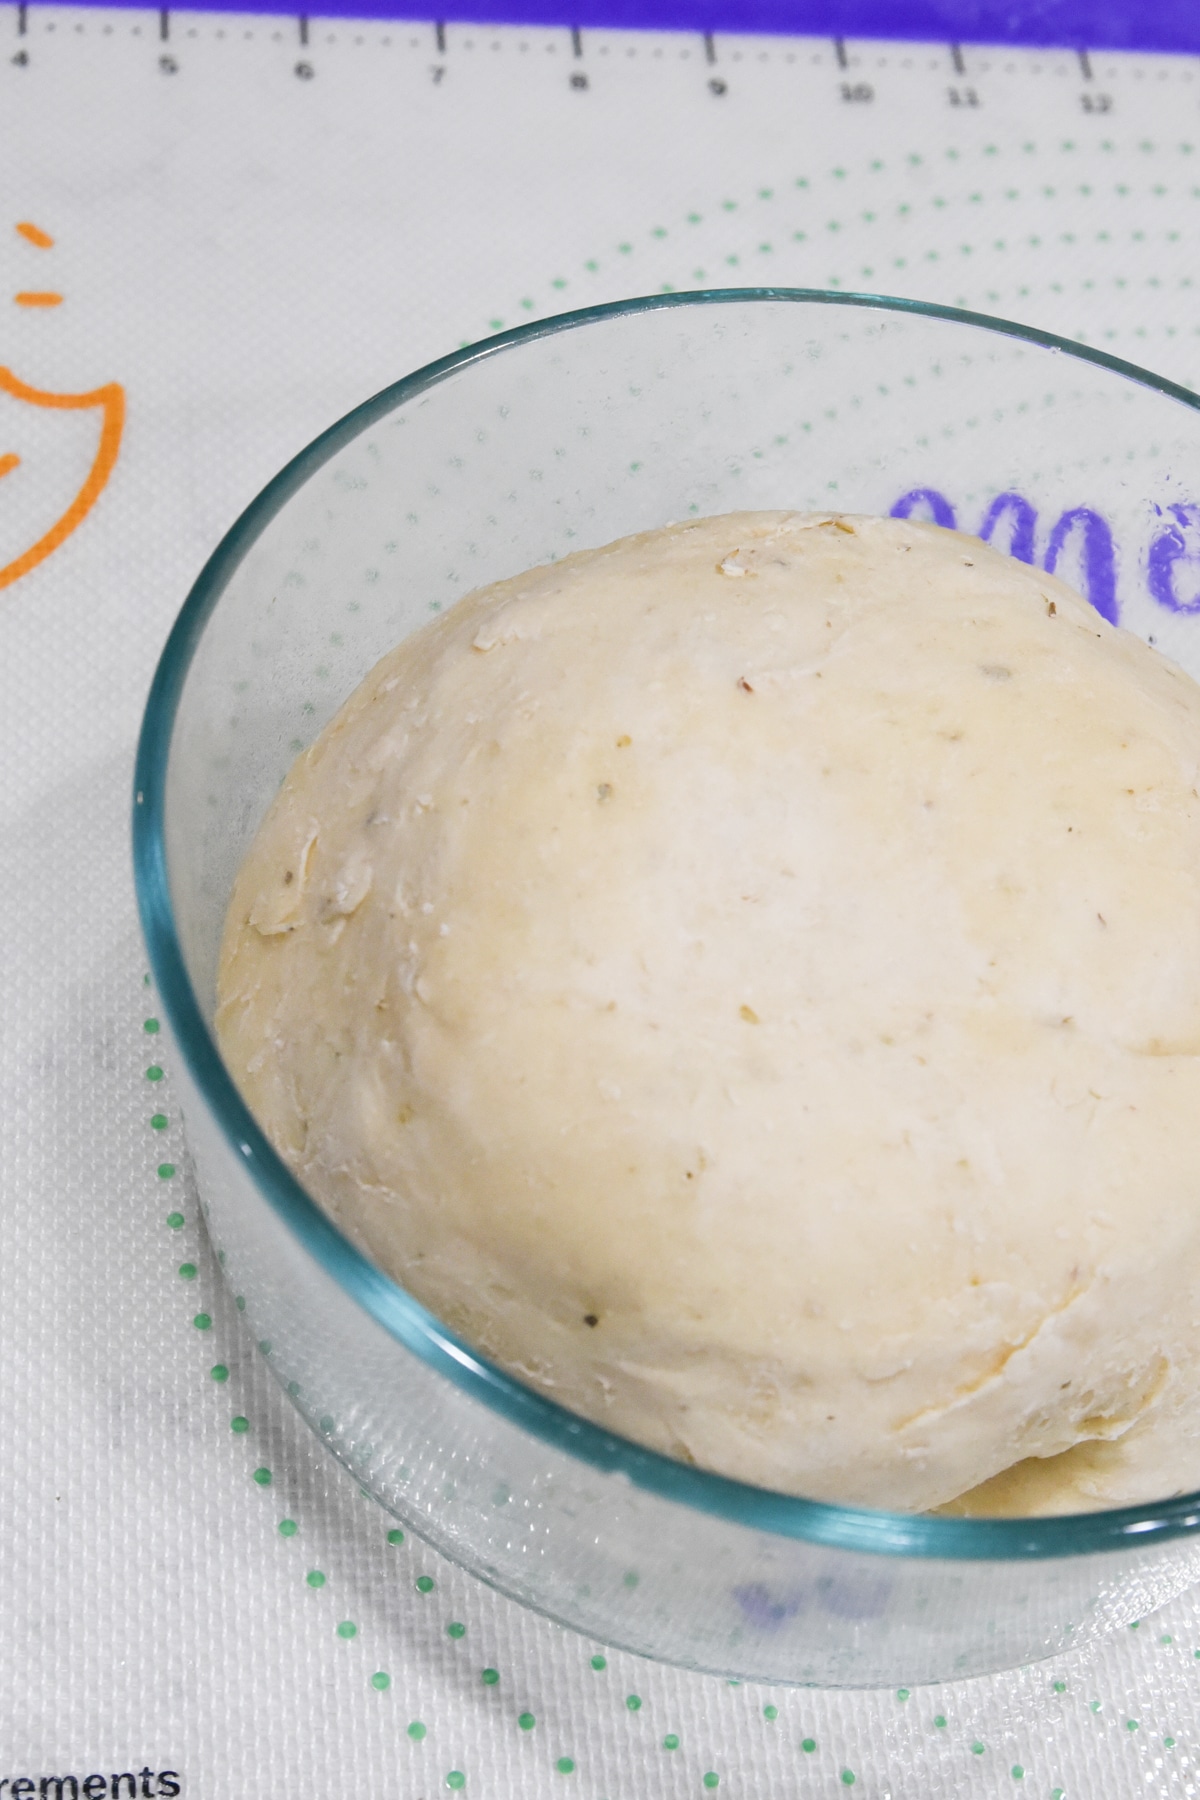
pixel 33 234
pixel 9 463
pixel 38 299
pixel 112 400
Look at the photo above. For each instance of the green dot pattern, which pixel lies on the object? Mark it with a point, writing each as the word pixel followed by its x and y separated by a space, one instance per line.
pixel 175 1220
pixel 489 1677
pixel 526 1721
pixel 288 1528
pixel 315 1578
pixel 347 1629
pixel 424 1584
pixel 239 1423
pixel 219 1372
pixel 154 1073
pixel 381 1681
pixel 202 1321
pixel 808 1745
pixel 395 1536
pixel 599 1662
pixel 770 1714
pixel 671 1741
pixel 188 1271
pixel 159 1122
pixel 166 1171
pixel 633 1702
pixel 712 1779
pixel 456 1779
pixel 455 1629
pixel 262 1477
pixel 416 1731
pixel 565 1765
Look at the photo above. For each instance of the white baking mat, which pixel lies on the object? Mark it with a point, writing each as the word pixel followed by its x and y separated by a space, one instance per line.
pixel 255 224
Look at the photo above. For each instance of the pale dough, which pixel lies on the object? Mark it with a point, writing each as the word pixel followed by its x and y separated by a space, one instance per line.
pixel 746 980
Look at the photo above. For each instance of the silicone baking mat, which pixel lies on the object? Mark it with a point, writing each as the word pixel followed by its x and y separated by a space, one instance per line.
pixel 218 233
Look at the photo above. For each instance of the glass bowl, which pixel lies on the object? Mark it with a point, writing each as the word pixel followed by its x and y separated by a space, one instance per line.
pixel 562 435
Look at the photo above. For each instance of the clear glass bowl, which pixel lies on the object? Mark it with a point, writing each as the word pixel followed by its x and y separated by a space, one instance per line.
pixel 567 434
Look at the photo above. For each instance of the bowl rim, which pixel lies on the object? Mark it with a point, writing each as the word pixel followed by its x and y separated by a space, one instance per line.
pixel 389 1305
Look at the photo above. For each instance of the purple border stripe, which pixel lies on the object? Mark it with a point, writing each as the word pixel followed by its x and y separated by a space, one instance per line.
pixel 1170 25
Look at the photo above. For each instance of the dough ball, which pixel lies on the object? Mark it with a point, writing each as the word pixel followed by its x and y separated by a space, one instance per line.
pixel 746 980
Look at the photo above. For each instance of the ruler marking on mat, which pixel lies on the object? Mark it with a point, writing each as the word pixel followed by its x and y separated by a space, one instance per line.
pixel 855 73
